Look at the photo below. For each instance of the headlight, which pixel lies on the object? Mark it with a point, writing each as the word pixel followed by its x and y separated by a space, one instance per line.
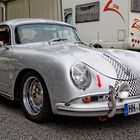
pixel 124 91
pixel 80 76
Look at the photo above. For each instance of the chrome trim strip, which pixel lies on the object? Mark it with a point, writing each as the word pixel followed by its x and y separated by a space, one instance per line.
pixel 3 84
pixel 134 97
pixel 89 94
pixel 5 95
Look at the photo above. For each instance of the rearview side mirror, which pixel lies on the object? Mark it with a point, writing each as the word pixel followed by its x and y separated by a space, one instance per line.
pixel 3 45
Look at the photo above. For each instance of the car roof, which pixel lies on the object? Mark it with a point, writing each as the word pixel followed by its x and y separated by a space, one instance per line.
pixel 16 22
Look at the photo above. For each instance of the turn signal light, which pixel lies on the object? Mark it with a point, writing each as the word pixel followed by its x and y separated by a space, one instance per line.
pixel 87 99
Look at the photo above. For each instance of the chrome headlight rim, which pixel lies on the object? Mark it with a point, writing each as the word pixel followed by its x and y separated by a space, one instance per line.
pixel 124 91
pixel 83 81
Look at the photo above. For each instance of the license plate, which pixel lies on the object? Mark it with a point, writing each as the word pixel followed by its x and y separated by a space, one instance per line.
pixel 130 109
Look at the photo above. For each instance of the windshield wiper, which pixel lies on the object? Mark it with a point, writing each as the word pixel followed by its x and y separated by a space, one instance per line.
pixel 79 42
pixel 57 40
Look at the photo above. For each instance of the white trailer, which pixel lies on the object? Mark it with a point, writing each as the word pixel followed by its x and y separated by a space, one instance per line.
pixel 105 23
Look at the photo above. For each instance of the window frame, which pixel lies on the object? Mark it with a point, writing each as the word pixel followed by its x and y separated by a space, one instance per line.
pixel 84 5
pixel 14 30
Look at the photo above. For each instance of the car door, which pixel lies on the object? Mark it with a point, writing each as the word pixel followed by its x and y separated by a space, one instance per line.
pixel 5 36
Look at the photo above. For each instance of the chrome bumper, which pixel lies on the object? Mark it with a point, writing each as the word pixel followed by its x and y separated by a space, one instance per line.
pixel 108 108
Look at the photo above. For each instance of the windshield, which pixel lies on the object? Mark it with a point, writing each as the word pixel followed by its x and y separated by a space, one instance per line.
pixel 44 32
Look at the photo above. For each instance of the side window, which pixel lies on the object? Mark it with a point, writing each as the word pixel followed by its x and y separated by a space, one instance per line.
pixel 5 36
pixel 135 6
pixel 68 15
pixel 87 12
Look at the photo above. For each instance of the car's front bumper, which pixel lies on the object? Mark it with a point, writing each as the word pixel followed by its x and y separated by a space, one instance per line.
pixel 107 108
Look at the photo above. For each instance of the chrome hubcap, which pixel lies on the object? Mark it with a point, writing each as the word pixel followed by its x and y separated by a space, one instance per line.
pixel 33 96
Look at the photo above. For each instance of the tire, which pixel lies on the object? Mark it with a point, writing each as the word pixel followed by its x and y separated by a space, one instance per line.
pixel 34 98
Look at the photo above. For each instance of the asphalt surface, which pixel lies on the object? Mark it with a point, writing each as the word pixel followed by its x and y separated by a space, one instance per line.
pixel 14 126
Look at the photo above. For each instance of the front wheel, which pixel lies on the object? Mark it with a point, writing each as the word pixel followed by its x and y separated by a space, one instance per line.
pixel 34 98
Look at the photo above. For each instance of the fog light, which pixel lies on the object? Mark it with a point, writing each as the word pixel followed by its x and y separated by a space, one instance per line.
pixel 124 91
pixel 87 99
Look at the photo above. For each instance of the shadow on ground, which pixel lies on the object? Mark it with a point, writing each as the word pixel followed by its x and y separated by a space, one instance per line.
pixel 76 121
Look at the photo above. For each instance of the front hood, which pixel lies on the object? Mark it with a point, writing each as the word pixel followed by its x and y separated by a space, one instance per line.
pixel 114 64
pixel 106 62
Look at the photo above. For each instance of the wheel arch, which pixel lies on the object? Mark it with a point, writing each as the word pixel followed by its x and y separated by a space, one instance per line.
pixel 18 80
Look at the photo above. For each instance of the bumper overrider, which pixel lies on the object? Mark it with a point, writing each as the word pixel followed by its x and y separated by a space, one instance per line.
pixel 109 107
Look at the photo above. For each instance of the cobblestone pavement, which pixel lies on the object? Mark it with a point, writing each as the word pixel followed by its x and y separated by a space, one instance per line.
pixel 14 126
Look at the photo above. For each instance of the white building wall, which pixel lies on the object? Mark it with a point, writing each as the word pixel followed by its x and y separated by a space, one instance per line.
pixel 18 9
pixel 45 9
pixel 34 8
pixel 0 14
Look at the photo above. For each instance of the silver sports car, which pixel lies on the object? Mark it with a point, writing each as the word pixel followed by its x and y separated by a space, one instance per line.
pixel 45 66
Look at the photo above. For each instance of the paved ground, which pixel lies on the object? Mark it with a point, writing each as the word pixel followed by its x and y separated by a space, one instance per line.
pixel 14 126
